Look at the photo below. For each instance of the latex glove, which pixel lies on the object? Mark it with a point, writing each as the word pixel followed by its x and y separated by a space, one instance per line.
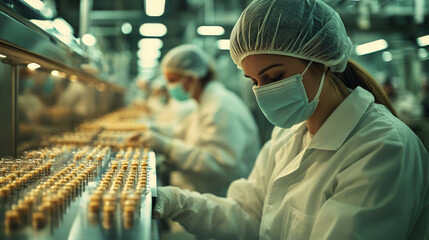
pixel 166 203
pixel 156 141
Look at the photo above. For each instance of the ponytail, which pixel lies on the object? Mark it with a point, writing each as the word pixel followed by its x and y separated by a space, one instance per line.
pixel 355 76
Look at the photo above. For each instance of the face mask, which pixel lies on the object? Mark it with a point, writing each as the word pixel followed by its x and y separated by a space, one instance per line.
pixel 285 102
pixel 177 91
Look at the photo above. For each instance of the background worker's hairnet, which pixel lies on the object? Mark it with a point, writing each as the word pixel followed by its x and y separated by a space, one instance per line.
pixel 306 29
pixel 186 59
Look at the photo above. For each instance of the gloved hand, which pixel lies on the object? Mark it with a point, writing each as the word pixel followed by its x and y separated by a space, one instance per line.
pixel 156 141
pixel 166 203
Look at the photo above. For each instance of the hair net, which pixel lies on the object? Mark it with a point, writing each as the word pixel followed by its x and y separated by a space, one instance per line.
pixel 186 59
pixel 306 29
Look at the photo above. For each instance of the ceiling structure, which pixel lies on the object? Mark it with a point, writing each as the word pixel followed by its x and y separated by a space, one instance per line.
pixel 182 17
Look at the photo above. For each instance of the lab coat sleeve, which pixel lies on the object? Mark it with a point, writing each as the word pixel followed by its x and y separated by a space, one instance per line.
pixel 221 142
pixel 377 193
pixel 236 217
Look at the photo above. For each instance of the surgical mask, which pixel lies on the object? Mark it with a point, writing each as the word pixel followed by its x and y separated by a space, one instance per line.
pixel 177 91
pixel 285 102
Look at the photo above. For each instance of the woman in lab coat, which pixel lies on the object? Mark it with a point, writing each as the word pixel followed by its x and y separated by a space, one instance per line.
pixel 219 142
pixel 339 164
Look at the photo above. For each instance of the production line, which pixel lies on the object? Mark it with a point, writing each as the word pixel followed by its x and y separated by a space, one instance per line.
pixel 84 180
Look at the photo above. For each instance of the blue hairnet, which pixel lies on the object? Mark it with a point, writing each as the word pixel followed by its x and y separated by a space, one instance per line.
pixel 186 59
pixel 306 29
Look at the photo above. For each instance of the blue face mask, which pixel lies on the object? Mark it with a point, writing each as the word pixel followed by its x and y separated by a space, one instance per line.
pixel 285 102
pixel 178 92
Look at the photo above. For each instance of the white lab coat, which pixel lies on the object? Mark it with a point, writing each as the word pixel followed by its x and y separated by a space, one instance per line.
pixel 364 175
pixel 174 113
pixel 220 143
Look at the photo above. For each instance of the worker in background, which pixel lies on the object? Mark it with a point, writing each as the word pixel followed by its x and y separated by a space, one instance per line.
pixel 405 103
pixel 162 107
pixel 339 164
pixel 141 94
pixel 220 139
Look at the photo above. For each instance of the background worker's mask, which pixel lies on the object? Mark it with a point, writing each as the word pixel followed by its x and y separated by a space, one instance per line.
pixel 178 92
pixel 285 102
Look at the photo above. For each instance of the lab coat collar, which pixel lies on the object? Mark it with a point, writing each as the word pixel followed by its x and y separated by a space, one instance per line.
pixel 341 122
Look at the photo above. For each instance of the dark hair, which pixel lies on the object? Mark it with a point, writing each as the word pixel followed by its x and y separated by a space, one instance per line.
pixel 355 76
pixel 208 77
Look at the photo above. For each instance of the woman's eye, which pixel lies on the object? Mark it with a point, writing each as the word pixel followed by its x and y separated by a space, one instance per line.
pixel 279 77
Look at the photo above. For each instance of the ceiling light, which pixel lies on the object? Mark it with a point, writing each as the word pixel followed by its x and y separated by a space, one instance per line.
pixel 89 39
pixel 2 56
pixel 36 4
pixel 371 47
pixel 223 44
pixel 154 8
pixel 126 28
pixel 149 54
pixel 423 54
pixel 43 24
pixel 33 66
pixel 150 43
pixel 387 56
pixel 57 73
pixel 63 27
pixel 147 63
pixel 423 41
pixel 153 29
pixel 210 30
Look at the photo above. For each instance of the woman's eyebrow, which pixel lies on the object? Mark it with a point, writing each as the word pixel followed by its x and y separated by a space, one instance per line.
pixel 269 67
pixel 266 69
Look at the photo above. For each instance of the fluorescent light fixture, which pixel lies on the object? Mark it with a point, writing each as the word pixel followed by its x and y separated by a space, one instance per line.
pixel 371 47
pixel 423 54
pixel 2 56
pixel 89 39
pixel 387 56
pixel 154 8
pixel 148 54
pixel 150 43
pixel 153 29
pixel 36 4
pixel 423 41
pixel 210 30
pixel 43 24
pixel 63 27
pixel 147 63
pixel 146 75
pixel 223 44
pixel 33 66
pixel 126 28
pixel 57 73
